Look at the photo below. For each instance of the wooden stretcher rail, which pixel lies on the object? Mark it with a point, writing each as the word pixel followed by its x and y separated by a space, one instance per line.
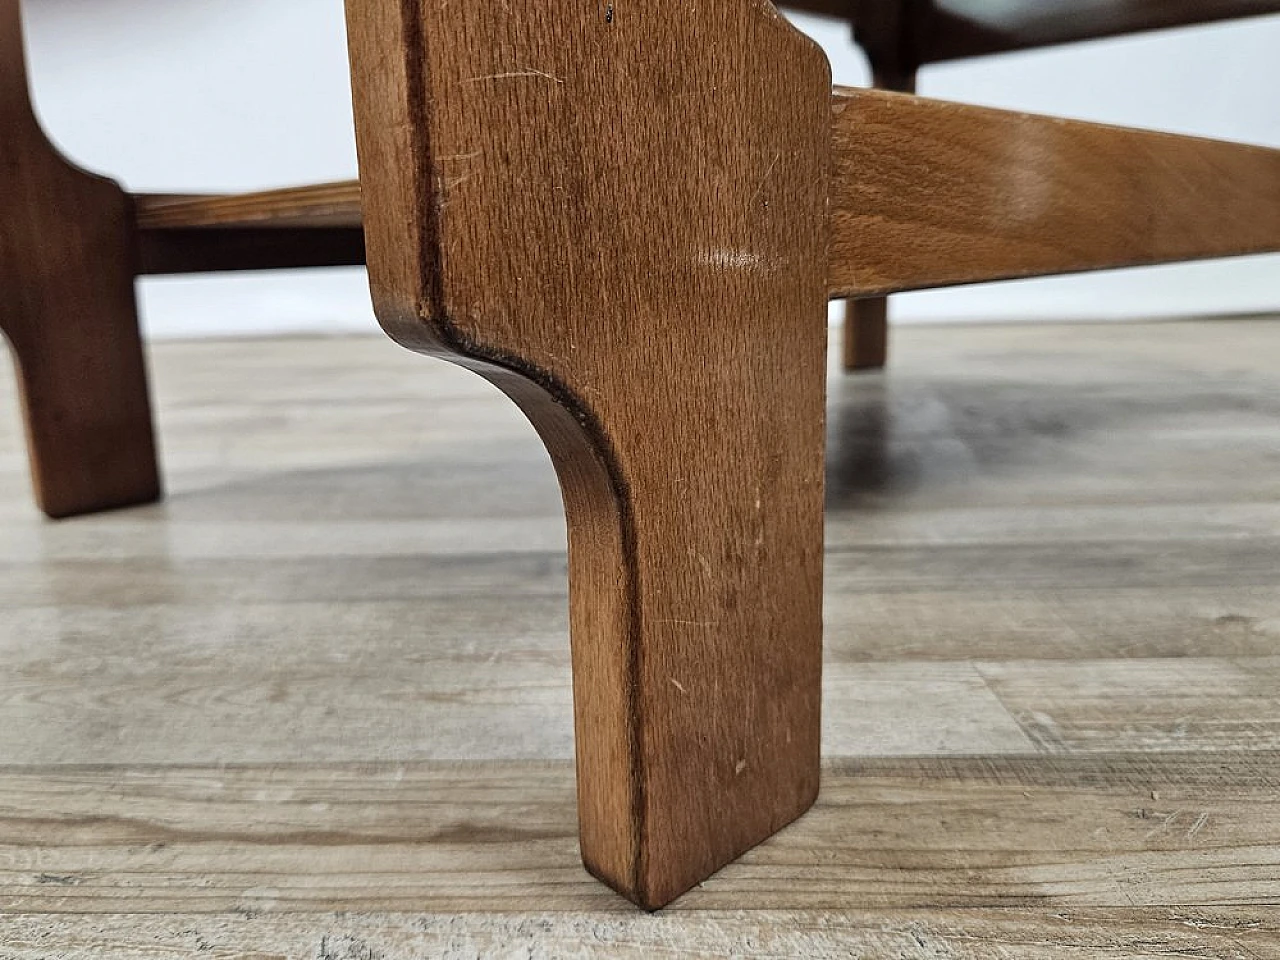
pixel 203 250
pixel 923 194
pixel 320 206
pixel 929 194
pixel 315 226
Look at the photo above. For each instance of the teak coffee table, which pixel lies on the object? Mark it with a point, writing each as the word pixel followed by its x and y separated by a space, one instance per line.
pixel 630 216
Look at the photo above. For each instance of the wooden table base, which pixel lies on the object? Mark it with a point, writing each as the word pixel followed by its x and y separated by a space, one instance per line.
pixel 602 211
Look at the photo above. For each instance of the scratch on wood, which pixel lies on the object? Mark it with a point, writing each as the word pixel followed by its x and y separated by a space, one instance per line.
pixel 765 179
pixel 60 879
pixel 513 74
pixel 1167 821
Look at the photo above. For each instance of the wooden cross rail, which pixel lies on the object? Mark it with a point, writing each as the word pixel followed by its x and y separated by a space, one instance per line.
pixel 928 194
pixel 921 193
pixel 317 226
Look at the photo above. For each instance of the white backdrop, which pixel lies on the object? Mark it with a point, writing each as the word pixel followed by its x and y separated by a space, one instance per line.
pixel 243 94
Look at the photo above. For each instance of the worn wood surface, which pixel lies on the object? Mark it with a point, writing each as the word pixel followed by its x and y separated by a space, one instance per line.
pixel 893 67
pixel 627 292
pixel 923 194
pixel 317 703
pixel 927 194
pixel 924 833
pixel 1034 933
pixel 321 205
pixel 67 309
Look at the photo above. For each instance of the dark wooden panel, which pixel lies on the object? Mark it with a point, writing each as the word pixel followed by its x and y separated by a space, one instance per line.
pixel 245 248
pixel 314 226
pixel 952 29
pixel 967 28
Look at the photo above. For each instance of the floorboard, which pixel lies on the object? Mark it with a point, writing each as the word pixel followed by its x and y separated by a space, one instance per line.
pixel 317 705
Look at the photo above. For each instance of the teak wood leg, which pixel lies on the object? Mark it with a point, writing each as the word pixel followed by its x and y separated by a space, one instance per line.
pixel 601 211
pixel 887 32
pixel 866 333
pixel 67 308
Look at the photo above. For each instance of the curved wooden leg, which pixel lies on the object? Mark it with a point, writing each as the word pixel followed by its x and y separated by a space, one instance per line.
pixel 620 226
pixel 67 309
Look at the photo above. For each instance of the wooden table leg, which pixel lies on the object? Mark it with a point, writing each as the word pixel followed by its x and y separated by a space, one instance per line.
pixel 67 308
pixel 887 33
pixel 623 228
pixel 866 333
pixel 866 321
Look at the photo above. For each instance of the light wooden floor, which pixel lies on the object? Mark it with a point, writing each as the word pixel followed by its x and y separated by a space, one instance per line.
pixel 317 703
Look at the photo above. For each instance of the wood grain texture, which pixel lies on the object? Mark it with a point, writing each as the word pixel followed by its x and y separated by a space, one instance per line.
pixel 67 309
pixel 886 39
pixel 614 243
pixel 924 193
pixel 1179 704
pixel 313 226
pixel 318 206
pixel 927 194
pixel 887 834
pixel 318 702
pixel 1031 933
pixel 222 249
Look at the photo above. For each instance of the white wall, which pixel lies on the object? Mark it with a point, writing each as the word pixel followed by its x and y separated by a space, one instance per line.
pixel 169 95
